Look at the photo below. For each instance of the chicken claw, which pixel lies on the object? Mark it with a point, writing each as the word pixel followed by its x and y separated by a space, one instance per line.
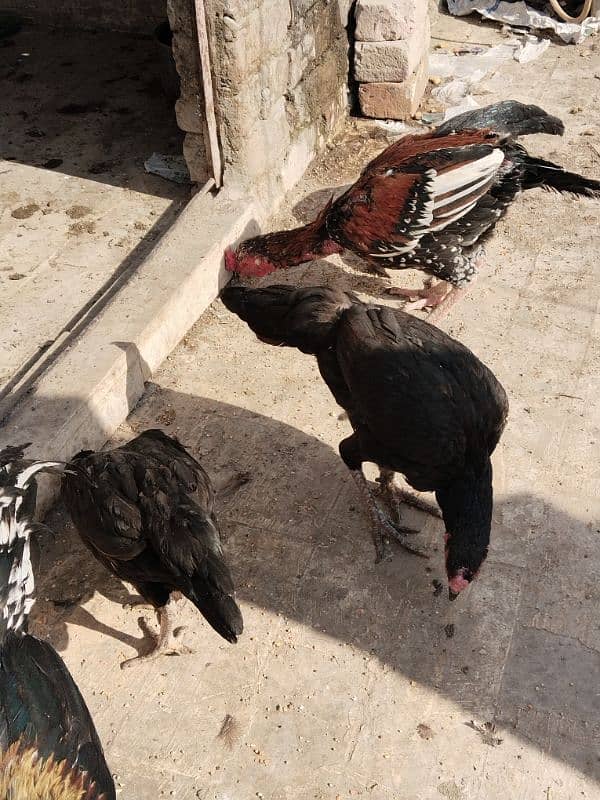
pixel 166 641
pixel 430 296
pixel 396 496
pixel 382 526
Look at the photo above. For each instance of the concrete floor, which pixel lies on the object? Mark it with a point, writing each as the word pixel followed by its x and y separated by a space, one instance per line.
pixel 350 680
pixel 81 113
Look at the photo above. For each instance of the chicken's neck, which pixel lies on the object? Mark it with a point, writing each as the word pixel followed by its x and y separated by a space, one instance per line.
pixel 466 506
pixel 303 244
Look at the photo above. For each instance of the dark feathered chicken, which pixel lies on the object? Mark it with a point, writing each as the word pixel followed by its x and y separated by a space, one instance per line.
pixel 427 202
pixel 49 747
pixel 420 403
pixel 145 510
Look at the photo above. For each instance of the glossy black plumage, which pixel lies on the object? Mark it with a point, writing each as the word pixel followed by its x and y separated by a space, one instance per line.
pixel 43 717
pixel 507 116
pixel 41 708
pixel 420 403
pixel 145 510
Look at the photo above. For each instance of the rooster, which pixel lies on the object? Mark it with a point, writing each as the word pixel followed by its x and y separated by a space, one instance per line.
pixel 49 747
pixel 145 510
pixel 419 402
pixel 427 202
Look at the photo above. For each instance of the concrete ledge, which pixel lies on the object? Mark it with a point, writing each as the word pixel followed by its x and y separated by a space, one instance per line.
pixel 92 385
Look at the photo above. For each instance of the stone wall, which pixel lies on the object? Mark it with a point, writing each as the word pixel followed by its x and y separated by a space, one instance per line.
pixel 390 61
pixel 189 108
pixel 280 70
pixel 136 16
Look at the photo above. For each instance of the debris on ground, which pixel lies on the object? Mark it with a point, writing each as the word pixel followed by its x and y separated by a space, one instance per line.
pixel 24 212
pixel 230 730
pixel 74 109
pixel 394 128
pixel 78 211
pixel 486 731
pixel 465 70
pixel 449 630
pixel 171 168
pixel 79 228
pixel 521 15
pixel 425 732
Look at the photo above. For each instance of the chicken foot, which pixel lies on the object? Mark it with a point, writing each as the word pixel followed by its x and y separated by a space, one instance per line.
pixel 396 496
pixel 451 298
pixel 430 296
pixel 382 526
pixel 166 641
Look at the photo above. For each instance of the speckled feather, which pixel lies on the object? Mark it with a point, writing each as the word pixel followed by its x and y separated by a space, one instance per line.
pixel 428 201
pixel 48 744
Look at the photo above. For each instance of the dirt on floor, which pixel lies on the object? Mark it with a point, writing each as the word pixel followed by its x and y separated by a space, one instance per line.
pixel 354 679
pixel 81 112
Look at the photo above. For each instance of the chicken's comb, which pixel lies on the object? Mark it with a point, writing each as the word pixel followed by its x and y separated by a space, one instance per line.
pixel 230 260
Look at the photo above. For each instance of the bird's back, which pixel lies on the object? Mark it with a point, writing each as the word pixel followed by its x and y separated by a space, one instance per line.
pixel 426 400
pixel 186 470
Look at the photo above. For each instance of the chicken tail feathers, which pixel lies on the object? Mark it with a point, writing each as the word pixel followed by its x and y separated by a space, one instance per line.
pixel 508 117
pixel 222 613
pixel 210 588
pixel 554 178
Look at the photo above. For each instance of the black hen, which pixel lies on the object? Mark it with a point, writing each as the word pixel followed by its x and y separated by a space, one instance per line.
pixel 145 510
pixel 427 202
pixel 420 403
pixel 49 747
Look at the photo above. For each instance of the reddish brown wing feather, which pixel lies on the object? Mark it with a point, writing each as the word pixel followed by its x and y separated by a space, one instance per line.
pixel 409 147
pixel 384 208
pixel 370 210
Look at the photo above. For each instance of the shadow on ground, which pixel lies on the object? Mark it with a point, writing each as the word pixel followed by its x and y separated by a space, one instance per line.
pixel 63 112
pixel 522 652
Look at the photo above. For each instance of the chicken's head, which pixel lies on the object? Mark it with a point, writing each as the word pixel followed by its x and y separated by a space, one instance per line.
pixel 264 254
pixel 248 262
pixel 458 580
pixel 464 556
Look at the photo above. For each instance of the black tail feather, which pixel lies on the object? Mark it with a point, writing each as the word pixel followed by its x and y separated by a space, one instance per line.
pixel 211 590
pixel 550 176
pixel 222 613
pixel 508 116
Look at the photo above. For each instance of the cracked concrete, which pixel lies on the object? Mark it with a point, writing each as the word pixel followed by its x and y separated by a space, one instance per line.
pixel 344 664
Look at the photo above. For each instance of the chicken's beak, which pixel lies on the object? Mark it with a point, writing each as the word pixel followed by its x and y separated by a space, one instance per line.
pixel 452 595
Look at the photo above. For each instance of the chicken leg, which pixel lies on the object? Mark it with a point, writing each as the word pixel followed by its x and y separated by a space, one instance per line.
pixel 382 526
pixel 455 294
pixel 430 296
pixel 166 641
pixel 395 496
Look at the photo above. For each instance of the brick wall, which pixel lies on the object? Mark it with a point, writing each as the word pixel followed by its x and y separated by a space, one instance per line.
pixel 390 62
